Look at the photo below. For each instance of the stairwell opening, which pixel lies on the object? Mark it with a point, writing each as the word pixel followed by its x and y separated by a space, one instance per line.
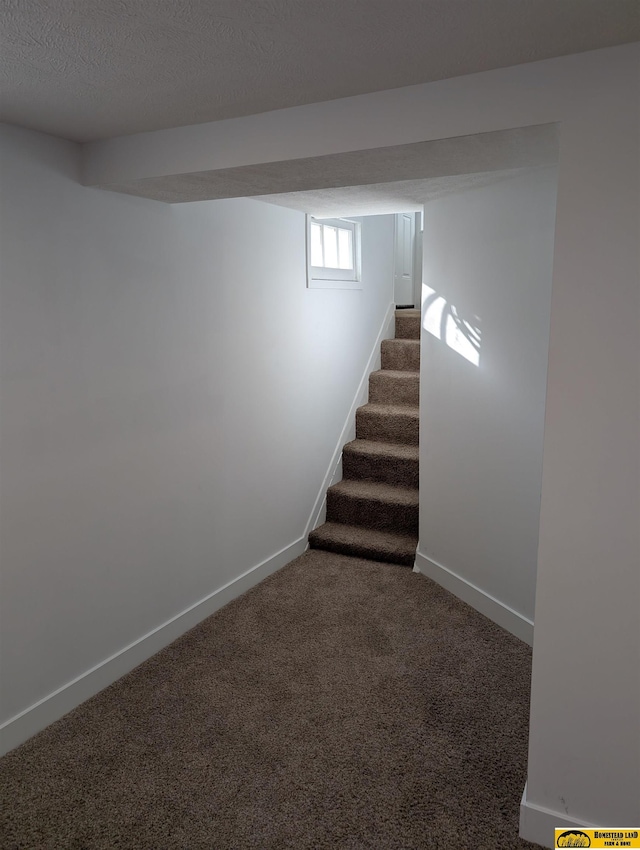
pixel 487 562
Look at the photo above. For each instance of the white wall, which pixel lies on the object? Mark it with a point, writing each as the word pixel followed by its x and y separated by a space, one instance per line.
pixel 584 750
pixel 585 715
pixel 171 397
pixel 489 253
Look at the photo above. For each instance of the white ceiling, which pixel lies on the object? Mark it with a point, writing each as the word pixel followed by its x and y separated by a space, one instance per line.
pixel 384 198
pixel 93 69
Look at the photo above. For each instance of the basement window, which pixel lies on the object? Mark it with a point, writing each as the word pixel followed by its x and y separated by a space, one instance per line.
pixel 333 253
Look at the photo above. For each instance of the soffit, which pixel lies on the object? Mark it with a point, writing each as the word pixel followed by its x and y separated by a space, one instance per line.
pixel 524 147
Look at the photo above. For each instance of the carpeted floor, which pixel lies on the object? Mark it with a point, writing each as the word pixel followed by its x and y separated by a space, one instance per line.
pixel 341 703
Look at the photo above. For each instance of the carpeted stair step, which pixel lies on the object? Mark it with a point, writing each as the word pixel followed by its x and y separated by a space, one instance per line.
pixel 371 504
pixel 388 423
pixel 401 354
pixel 407 324
pixel 389 463
pixel 394 387
pixel 365 543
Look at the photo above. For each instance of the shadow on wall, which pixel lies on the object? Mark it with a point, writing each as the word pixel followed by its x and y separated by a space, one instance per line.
pixel 443 321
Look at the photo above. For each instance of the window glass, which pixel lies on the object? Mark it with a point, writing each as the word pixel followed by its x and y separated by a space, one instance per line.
pixel 330 247
pixel 345 251
pixel 317 258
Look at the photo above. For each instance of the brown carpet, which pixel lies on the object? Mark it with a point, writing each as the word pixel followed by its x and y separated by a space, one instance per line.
pixel 373 512
pixel 401 354
pixel 341 703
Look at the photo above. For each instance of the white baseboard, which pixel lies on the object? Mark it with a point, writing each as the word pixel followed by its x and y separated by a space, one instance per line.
pixel 348 433
pixel 537 823
pixel 488 605
pixel 44 712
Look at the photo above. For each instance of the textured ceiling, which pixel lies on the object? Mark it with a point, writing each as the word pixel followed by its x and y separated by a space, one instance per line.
pixel 92 69
pixel 523 147
pixel 384 198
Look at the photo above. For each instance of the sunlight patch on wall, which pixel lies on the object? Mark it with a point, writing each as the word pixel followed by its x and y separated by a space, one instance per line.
pixel 443 321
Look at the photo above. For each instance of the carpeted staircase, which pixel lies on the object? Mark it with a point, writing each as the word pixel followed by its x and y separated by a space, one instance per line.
pixel 373 512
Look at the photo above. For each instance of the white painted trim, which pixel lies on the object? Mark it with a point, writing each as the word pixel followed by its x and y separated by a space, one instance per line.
pixel 537 823
pixel 499 612
pixel 418 243
pixel 35 718
pixel 348 433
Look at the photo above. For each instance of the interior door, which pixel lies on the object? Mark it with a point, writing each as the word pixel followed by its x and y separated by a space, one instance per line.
pixel 403 285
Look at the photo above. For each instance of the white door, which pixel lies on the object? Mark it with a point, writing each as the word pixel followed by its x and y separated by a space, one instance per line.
pixel 403 265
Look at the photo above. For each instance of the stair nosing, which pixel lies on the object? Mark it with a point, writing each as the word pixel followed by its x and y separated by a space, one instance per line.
pixel 347 484
pixel 405 451
pixel 373 532
pixel 402 339
pixel 400 374
pixel 390 409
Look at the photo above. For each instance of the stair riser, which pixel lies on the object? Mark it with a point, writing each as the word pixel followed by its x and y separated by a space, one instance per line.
pixel 407 327
pixel 406 559
pixel 369 513
pixel 401 355
pixel 398 471
pixel 389 389
pixel 392 428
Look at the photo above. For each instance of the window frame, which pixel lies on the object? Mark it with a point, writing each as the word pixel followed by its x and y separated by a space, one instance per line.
pixel 322 277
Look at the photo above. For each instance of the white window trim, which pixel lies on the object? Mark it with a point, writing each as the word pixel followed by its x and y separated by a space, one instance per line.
pixel 327 278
